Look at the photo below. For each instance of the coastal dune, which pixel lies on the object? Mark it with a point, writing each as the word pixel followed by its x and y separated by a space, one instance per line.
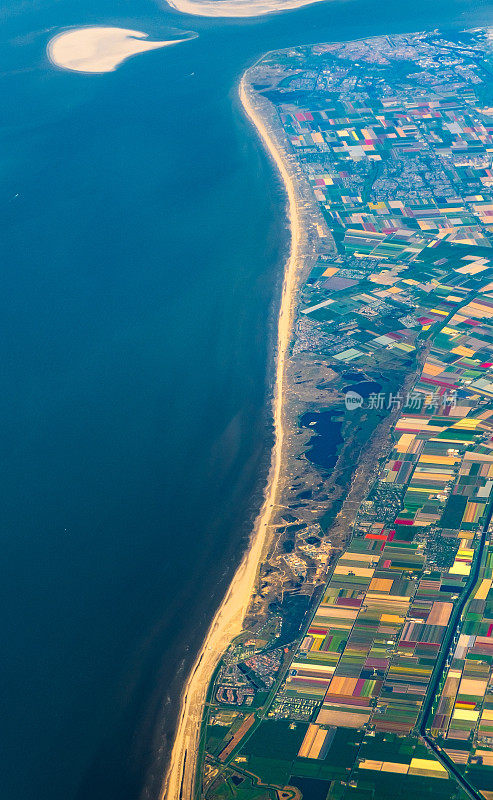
pixel 237 8
pixel 99 49
pixel 227 624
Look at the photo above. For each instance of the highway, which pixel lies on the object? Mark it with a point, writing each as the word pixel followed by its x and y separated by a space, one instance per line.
pixel 445 652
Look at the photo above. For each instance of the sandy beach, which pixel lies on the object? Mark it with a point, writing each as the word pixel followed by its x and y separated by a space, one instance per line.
pixel 99 49
pixel 237 8
pixel 227 623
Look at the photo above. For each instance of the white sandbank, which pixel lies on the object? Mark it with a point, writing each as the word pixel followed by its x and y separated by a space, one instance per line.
pixel 98 49
pixel 228 621
pixel 236 8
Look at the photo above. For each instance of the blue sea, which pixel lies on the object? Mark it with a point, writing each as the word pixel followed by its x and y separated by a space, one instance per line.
pixel 142 242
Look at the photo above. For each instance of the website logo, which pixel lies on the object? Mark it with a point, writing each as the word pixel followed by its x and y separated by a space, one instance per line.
pixel 353 400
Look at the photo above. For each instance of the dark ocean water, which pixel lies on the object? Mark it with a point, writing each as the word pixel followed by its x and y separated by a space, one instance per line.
pixel 142 238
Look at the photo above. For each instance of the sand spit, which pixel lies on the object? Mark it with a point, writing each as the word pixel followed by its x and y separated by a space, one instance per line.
pixel 227 623
pixel 98 49
pixel 236 8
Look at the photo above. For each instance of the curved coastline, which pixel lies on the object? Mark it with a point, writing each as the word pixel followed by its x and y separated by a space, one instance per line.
pixel 228 621
pixel 94 49
pixel 237 8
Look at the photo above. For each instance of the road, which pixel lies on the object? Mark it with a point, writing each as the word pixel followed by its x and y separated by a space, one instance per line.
pixel 445 652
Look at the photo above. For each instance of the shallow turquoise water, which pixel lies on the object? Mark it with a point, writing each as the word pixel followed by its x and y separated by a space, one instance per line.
pixel 141 238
